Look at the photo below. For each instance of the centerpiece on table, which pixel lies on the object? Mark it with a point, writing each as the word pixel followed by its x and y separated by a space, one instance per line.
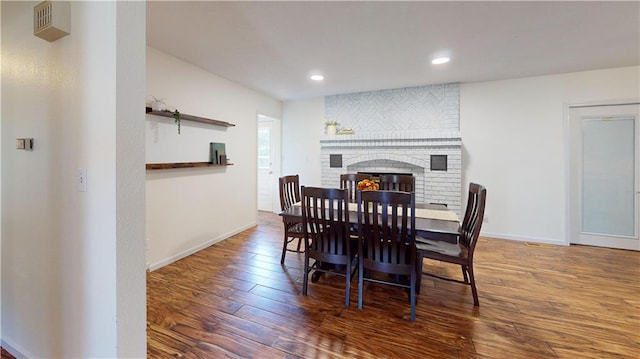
pixel 368 185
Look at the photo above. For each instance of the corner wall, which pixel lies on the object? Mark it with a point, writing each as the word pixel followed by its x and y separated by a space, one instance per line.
pixel 0 180
pixel 302 130
pixel 513 136
pixel 63 250
pixel 189 209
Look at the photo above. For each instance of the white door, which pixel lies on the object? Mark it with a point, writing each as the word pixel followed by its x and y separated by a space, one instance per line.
pixel 268 163
pixel 604 178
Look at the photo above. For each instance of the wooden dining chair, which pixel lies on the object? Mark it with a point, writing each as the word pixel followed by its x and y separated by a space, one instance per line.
pixel 289 187
pixel 350 182
pixel 387 241
pixel 404 183
pixel 460 253
pixel 326 217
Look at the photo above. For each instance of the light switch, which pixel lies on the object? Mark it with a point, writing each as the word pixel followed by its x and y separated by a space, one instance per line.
pixel 20 143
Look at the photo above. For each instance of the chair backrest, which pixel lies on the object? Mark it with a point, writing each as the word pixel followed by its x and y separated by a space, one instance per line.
pixel 289 191
pixel 404 183
pixel 385 221
pixel 326 216
pixel 473 217
pixel 350 182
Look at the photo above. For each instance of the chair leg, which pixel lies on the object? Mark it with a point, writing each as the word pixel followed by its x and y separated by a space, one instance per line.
pixel 284 247
pixel 413 295
pixel 474 291
pixel 419 274
pixel 360 283
pixel 464 273
pixel 305 280
pixel 299 242
pixel 347 274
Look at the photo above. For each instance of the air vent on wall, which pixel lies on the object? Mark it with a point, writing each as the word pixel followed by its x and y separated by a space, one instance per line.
pixel 51 20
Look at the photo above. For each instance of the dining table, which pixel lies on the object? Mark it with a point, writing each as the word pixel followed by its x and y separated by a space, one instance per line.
pixel 433 221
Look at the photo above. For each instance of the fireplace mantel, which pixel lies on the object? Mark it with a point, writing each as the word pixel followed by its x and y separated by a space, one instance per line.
pixel 350 141
pixel 402 138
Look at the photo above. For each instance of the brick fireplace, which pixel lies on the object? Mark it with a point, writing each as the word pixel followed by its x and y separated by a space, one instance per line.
pixel 408 130
pixel 399 155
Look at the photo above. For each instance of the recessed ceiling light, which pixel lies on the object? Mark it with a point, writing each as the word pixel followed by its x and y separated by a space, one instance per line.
pixel 440 60
pixel 317 77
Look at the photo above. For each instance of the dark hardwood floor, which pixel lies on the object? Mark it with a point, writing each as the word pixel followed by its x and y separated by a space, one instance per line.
pixel 235 300
pixel 5 354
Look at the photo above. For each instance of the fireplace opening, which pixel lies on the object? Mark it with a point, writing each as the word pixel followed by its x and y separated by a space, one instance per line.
pixel 375 176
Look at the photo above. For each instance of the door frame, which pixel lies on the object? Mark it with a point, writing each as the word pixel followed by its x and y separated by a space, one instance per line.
pixel 276 158
pixel 567 150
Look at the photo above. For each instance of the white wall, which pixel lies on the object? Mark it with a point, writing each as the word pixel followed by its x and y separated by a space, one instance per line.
pixel 131 305
pixel 0 180
pixel 302 129
pixel 189 209
pixel 514 137
pixel 513 142
pixel 73 262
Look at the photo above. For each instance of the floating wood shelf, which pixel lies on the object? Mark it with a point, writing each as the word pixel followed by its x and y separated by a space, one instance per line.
pixel 185 117
pixel 164 166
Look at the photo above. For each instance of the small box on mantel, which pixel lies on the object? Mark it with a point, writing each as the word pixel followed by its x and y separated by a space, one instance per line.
pixel 217 153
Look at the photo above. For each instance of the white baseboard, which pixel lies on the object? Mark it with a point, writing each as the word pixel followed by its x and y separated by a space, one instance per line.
pixel 524 238
pixel 197 248
pixel 11 348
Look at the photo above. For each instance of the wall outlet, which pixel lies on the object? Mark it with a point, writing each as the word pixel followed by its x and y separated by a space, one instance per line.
pixel 82 180
pixel 24 144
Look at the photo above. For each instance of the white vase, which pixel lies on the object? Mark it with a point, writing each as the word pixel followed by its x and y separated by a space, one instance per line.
pixel 156 106
pixel 331 130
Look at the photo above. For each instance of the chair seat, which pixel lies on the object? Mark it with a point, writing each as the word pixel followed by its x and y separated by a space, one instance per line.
pixel 326 237
pixel 387 244
pixel 295 228
pixel 450 249
pixel 460 253
pixel 289 187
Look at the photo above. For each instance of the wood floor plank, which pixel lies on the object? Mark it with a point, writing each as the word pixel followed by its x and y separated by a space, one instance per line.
pixel 166 342
pixel 234 299
pixel 312 343
pixel 277 322
pixel 608 346
pixel 221 340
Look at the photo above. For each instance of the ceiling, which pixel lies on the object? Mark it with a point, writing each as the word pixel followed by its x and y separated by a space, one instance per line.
pixel 273 47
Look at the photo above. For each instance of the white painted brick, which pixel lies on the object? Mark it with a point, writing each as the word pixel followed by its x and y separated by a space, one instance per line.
pixel 391 146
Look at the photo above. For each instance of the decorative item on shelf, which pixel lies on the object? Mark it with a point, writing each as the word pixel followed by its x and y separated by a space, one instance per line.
pixel 217 153
pixel 368 185
pixel 346 131
pixel 156 103
pixel 331 127
pixel 176 115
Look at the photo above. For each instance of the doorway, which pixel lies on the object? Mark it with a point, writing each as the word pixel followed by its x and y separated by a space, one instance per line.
pixel 268 163
pixel 604 175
